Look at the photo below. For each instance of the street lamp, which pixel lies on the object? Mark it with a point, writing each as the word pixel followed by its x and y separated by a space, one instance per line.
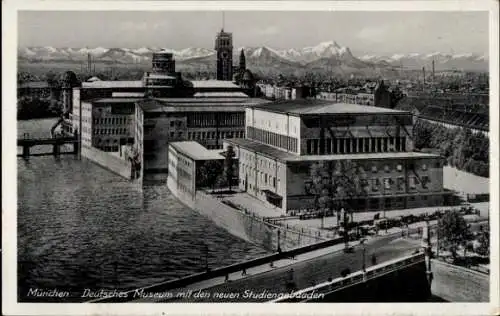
pixel 362 242
pixel 279 247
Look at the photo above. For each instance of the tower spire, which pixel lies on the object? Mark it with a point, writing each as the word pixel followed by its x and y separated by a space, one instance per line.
pixel 223 21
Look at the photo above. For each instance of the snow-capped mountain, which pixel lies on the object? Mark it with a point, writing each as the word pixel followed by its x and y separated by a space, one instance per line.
pixel 442 61
pixel 326 54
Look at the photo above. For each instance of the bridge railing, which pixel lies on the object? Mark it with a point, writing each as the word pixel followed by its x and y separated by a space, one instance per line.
pixel 354 278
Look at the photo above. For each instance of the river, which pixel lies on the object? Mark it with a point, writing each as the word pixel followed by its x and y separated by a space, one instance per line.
pixel 81 226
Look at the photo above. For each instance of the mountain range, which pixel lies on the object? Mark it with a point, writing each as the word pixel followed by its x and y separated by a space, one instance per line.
pixel 324 56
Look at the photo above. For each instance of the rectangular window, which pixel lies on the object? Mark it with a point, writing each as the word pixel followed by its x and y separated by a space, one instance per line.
pixel 348 145
pixel 411 182
pixel 375 184
pixel 401 183
pixel 425 181
pixel 309 146
pixel 315 146
pixel 387 183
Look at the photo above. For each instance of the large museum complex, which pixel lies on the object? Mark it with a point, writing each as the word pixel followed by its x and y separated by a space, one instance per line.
pixel 284 139
pixel 127 126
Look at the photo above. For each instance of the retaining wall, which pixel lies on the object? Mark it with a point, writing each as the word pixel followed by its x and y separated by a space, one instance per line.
pixel 458 284
pixel 243 225
pixel 108 161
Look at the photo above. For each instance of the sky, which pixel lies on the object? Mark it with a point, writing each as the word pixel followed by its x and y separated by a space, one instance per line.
pixel 363 32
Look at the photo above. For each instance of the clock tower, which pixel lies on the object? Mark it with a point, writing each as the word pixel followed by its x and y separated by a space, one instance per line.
pixel 224 48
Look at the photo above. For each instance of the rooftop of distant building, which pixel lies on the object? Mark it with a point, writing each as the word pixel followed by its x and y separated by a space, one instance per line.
pixel 318 107
pixel 196 151
pixel 102 84
pixel 214 84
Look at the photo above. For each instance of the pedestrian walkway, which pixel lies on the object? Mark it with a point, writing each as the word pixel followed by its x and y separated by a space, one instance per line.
pixel 205 284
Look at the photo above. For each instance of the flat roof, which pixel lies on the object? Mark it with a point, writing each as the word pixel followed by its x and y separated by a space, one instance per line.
pixel 196 151
pixel 159 76
pixel 282 155
pixel 127 94
pixel 318 107
pixel 34 85
pixel 102 84
pixel 214 84
pixel 232 94
pixel 182 104
pixel 219 101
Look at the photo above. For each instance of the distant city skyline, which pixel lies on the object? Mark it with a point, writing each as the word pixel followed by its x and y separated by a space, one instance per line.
pixel 364 32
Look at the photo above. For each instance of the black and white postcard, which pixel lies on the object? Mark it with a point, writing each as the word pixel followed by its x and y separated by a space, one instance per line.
pixel 287 153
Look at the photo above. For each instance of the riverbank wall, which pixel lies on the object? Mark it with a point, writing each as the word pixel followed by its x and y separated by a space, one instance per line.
pixel 242 224
pixel 114 164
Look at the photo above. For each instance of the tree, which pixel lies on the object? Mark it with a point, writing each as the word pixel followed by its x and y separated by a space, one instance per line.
pixel 319 186
pixel 337 184
pixel 349 185
pixel 208 173
pixel 484 244
pixel 453 232
pixel 229 166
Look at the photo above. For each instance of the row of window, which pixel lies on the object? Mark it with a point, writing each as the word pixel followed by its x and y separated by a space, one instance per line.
pixel 398 184
pixel 355 145
pixel 273 139
pixel 112 120
pixel 215 119
pixel 212 135
pixel 184 174
pixel 110 131
pixel 182 188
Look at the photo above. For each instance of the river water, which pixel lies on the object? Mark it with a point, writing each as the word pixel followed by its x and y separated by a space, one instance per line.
pixel 81 226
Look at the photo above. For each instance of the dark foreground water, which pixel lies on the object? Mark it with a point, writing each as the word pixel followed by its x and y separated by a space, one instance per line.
pixel 80 226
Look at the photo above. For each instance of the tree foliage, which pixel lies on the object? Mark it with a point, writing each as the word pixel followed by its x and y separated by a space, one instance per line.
pixel 208 173
pixel 336 185
pixel 484 244
pixel 462 149
pixel 453 232
pixel 229 166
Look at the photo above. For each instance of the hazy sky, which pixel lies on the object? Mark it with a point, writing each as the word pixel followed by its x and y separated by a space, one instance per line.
pixel 363 32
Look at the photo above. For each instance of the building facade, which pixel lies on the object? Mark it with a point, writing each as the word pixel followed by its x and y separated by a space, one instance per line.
pixel 186 159
pixel 284 140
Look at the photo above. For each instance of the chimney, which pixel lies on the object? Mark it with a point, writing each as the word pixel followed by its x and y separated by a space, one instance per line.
pixel 433 70
pixel 423 72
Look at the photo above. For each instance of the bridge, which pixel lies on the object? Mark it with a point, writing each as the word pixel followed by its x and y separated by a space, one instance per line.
pixel 26 143
pixel 319 262
pixel 323 291
pixel 402 272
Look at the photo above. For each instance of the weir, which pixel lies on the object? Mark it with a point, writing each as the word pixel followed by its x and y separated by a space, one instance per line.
pixel 56 142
